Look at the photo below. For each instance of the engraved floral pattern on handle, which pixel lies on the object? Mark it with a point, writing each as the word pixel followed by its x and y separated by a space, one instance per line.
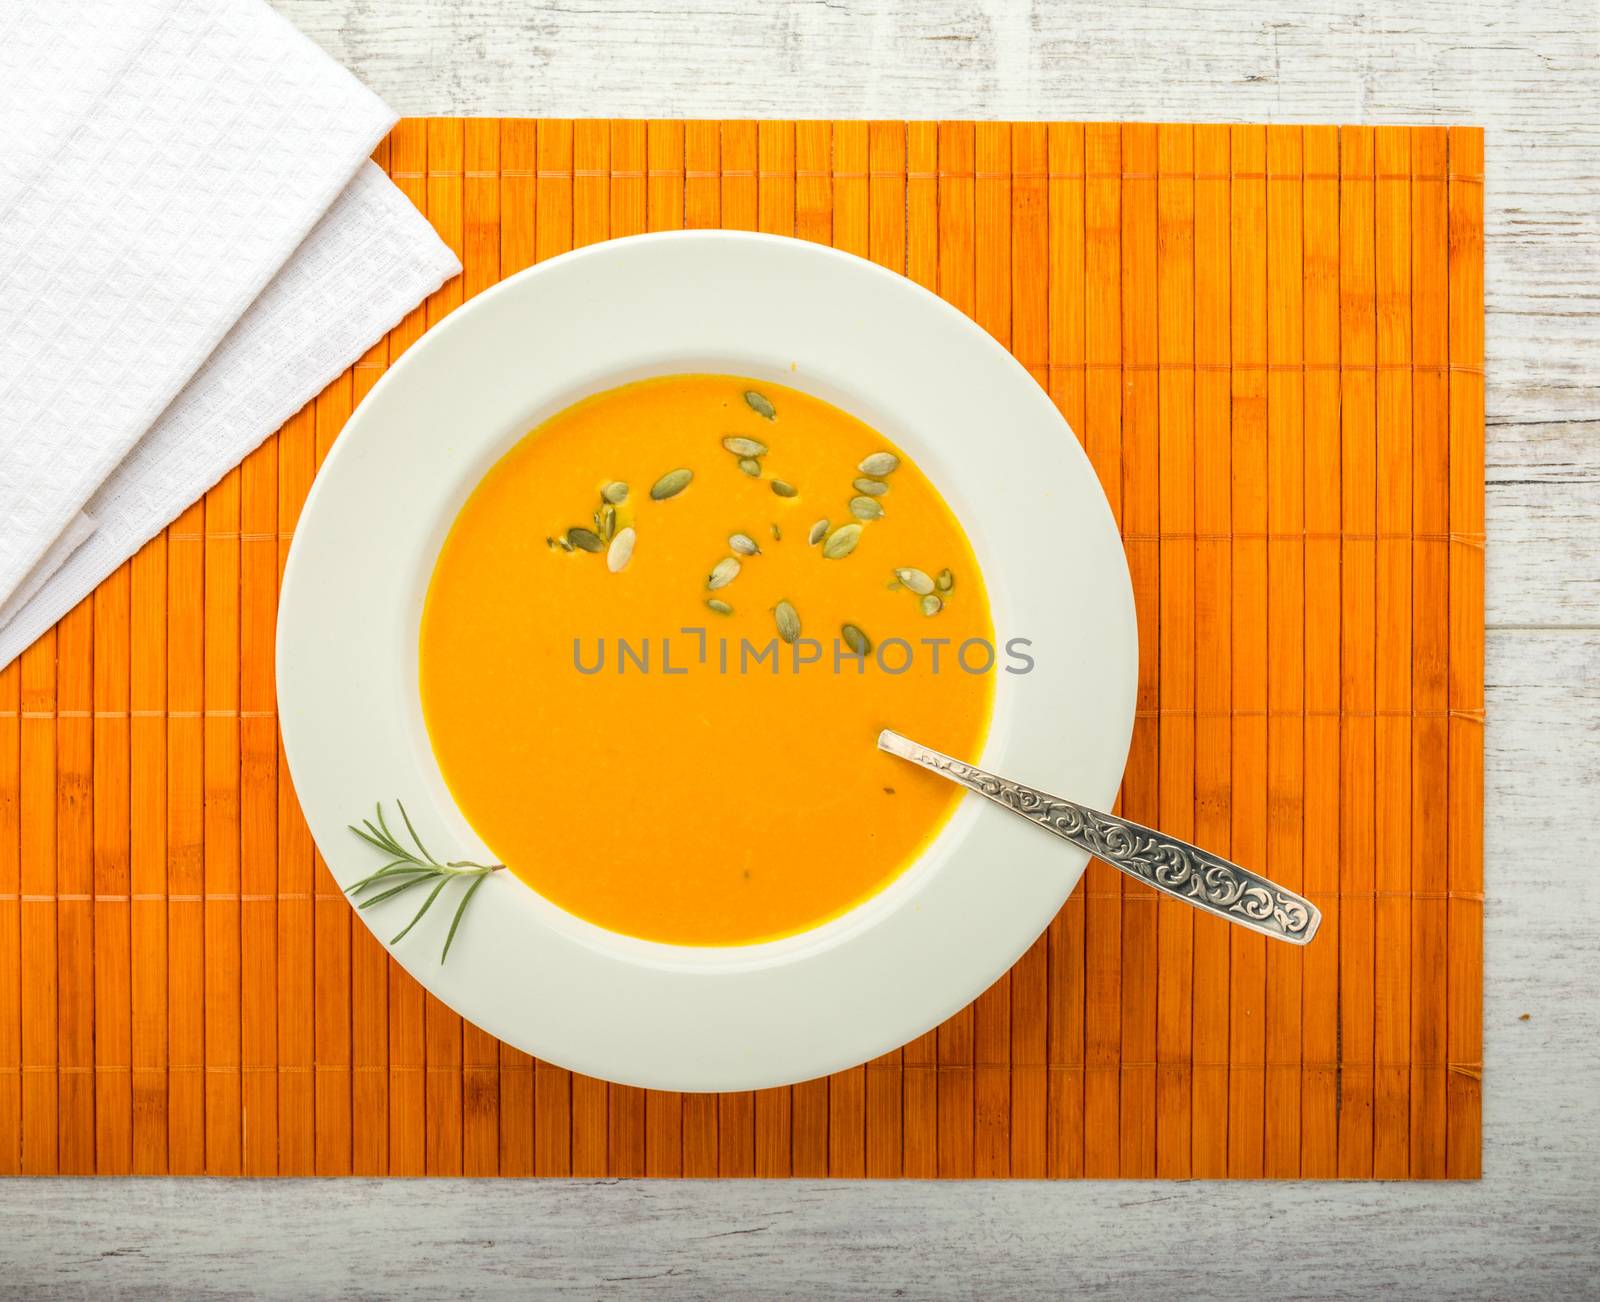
pixel 1170 865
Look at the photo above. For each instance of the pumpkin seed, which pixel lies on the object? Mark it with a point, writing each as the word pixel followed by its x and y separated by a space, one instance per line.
pixel 725 572
pixel 608 521
pixel 866 508
pixel 587 539
pixel 931 605
pixel 594 517
pixel 945 582
pixel 562 543
pixel 788 621
pixel 893 585
pixel 621 551
pixel 871 487
pixel 743 447
pixel 760 404
pixel 750 466
pixel 616 492
pixel 818 532
pixel 744 544
pixel 777 534
pixel 856 640
pixel 671 484
pixel 842 541
pixel 720 606
pixel 916 580
pixel 880 464
pixel 784 490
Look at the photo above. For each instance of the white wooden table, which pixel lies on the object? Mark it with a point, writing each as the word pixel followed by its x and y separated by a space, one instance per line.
pixel 1529 71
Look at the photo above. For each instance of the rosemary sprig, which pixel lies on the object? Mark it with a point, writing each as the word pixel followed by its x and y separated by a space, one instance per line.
pixel 407 868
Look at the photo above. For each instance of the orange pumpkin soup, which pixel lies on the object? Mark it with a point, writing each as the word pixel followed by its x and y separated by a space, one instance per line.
pixel 637 674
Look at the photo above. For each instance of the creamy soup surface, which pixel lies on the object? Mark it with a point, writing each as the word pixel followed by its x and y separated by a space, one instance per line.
pixel 718 793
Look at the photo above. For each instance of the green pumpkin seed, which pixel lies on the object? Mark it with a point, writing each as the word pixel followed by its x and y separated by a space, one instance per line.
pixel 784 490
pixel 608 521
pixel 842 541
pixel 587 539
pixel 931 605
pixel 720 606
pixel 856 640
pixel 621 551
pixel 916 580
pixel 616 492
pixel 743 544
pixel 945 582
pixel 671 484
pixel 880 464
pixel 788 621
pixel 777 534
pixel 818 532
pixel 760 404
pixel 743 447
pixel 871 487
pixel 725 572
pixel 866 508
pixel 750 466
pixel 562 543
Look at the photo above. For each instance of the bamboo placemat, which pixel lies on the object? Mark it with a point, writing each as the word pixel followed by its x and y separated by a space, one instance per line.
pixel 1270 340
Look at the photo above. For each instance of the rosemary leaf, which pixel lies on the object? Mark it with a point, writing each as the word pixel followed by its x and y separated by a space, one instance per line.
pixel 426 905
pixel 407 868
pixel 462 908
pixel 414 835
pixel 416 880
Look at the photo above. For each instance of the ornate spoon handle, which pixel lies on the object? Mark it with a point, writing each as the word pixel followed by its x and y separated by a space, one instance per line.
pixel 1164 862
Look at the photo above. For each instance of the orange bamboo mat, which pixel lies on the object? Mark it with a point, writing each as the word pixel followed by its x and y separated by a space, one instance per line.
pixel 1270 340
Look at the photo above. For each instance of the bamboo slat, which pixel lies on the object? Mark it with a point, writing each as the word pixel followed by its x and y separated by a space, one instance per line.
pixel 442 1033
pixel 113 958
pixel 1213 630
pixel 1285 629
pixel 1270 341
pixel 1101 432
pixel 258 808
pixel 75 889
pixel 1358 616
pixel 991 1012
pixel 919 1101
pixel 1319 1111
pixel 886 245
pixel 407 1015
pixel 1029 1014
pixel 480 262
pixel 1248 835
pixel 1391 1105
pixel 1141 527
pixel 147 855
pixel 517 212
pixel 1464 1042
pixel 1175 651
pixel 1066 1043
pixel 1430 441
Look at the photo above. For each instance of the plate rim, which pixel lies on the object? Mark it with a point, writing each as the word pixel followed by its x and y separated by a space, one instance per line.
pixel 426 352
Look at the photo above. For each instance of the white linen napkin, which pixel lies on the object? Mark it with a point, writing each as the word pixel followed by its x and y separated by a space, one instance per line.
pixel 192 245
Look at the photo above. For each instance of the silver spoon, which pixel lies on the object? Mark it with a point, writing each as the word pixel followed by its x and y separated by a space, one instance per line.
pixel 1172 866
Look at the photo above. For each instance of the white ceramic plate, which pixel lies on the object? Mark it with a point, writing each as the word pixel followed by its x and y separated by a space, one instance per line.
pixel 833 325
